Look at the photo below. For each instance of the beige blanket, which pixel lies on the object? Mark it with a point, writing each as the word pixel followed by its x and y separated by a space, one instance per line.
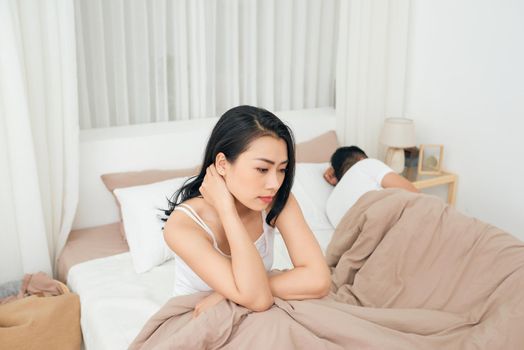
pixel 408 272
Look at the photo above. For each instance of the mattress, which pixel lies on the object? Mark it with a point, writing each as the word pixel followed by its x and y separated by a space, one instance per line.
pixel 115 301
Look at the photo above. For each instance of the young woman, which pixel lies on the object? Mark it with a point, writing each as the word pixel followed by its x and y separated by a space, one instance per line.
pixel 222 222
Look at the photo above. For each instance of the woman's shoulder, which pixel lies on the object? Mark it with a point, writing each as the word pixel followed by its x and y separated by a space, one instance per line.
pixel 197 203
pixel 204 211
pixel 180 219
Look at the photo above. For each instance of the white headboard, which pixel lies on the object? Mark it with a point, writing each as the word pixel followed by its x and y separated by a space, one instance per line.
pixel 169 145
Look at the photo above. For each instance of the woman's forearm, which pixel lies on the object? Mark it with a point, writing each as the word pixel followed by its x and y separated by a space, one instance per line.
pixel 248 269
pixel 300 283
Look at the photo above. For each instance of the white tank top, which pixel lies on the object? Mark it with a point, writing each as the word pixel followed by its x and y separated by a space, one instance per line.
pixel 188 282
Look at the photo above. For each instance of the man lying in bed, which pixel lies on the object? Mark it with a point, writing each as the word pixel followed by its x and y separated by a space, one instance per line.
pixel 354 174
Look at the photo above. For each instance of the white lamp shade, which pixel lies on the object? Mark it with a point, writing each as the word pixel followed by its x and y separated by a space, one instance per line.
pixel 398 133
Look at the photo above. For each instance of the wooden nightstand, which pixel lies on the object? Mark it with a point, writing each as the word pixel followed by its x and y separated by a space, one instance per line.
pixel 426 181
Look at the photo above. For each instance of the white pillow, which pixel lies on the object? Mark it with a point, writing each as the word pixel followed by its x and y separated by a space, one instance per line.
pixel 312 191
pixel 140 214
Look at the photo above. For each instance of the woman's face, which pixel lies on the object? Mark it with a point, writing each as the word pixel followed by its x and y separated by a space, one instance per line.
pixel 257 174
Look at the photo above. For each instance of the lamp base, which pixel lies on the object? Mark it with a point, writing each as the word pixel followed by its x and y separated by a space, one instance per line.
pixel 395 159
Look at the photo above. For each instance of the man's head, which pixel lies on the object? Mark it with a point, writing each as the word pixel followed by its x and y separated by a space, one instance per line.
pixel 344 158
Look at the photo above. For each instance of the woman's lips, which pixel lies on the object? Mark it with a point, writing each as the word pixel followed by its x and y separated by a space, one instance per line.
pixel 266 199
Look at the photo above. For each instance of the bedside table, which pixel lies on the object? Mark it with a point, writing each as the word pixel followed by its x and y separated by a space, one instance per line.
pixel 426 181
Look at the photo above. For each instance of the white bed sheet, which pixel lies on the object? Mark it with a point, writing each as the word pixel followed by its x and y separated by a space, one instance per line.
pixel 116 301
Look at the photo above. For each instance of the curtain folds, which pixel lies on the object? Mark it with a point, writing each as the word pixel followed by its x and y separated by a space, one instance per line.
pixel 149 61
pixel 371 69
pixel 38 133
pixel 66 64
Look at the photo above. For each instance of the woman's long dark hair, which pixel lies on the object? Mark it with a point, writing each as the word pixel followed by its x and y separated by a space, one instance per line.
pixel 232 134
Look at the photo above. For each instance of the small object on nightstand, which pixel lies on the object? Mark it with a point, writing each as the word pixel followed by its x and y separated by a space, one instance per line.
pixel 430 159
pixel 411 163
pixel 411 156
pixel 427 172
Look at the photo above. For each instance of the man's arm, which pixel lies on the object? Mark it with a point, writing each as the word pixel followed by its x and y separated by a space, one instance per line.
pixel 394 180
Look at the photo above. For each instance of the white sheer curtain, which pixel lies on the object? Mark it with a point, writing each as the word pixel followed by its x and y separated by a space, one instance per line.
pixel 38 133
pixel 371 69
pixel 147 61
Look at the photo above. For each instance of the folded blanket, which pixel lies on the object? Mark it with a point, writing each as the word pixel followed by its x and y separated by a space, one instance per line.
pixel 408 272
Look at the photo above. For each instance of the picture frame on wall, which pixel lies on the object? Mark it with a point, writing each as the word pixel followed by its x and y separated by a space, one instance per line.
pixel 430 159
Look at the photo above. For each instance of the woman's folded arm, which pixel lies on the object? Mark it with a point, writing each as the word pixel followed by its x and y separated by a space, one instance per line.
pixel 310 277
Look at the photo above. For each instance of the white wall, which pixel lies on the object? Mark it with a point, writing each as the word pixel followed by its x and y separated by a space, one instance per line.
pixel 465 89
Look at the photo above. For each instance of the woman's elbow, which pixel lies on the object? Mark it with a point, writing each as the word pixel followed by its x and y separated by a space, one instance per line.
pixel 261 304
pixel 258 302
pixel 323 290
pixel 323 286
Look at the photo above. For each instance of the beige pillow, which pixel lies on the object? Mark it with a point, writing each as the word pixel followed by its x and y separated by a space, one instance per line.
pixel 145 177
pixel 318 149
pixel 138 178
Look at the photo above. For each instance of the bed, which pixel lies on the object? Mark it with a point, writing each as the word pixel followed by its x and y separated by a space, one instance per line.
pixel 96 262
pixel 408 271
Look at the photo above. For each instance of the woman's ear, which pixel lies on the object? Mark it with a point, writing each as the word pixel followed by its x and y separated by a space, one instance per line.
pixel 220 163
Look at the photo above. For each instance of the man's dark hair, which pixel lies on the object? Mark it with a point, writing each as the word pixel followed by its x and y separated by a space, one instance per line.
pixel 344 158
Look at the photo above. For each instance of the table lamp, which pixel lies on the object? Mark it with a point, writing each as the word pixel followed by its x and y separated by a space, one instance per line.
pixel 397 134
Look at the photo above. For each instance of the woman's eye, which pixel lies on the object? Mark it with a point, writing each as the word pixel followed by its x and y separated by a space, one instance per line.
pixel 283 171
pixel 261 170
